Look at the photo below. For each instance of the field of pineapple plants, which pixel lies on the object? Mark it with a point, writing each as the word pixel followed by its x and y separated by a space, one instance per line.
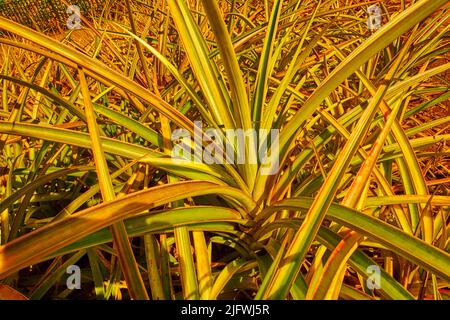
pixel 225 150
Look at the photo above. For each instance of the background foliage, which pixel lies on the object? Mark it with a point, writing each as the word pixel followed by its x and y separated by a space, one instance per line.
pixel 86 176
